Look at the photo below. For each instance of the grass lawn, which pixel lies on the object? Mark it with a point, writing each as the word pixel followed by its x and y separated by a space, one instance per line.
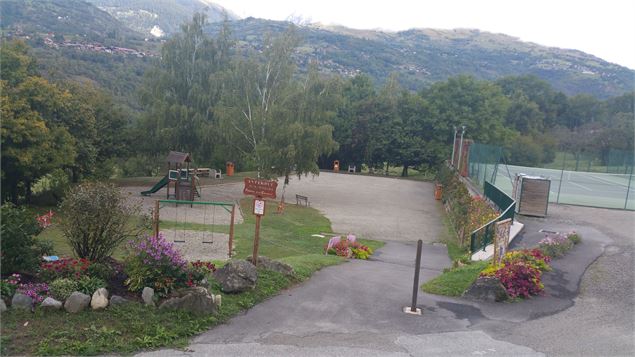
pixel 131 328
pixel 455 281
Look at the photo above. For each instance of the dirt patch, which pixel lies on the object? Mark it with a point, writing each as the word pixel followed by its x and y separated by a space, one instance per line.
pixel 199 245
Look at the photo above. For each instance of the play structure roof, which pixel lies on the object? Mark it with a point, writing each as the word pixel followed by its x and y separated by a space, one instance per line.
pixel 175 157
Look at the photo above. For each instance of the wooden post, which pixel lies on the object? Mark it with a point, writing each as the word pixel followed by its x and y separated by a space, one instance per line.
pixel 231 231
pixel 156 218
pixel 254 256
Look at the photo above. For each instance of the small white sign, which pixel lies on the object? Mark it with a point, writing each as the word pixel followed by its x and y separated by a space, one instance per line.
pixel 259 207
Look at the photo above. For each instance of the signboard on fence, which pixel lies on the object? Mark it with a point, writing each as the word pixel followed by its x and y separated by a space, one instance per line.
pixel 260 188
pixel 501 239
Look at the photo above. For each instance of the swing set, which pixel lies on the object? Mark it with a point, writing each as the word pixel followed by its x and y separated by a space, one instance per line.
pixel 208 237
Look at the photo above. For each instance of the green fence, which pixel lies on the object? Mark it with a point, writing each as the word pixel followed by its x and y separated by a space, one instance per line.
pixel 484 236
pixel 483 160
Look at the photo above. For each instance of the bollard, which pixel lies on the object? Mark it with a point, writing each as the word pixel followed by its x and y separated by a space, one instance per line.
pixel 412 309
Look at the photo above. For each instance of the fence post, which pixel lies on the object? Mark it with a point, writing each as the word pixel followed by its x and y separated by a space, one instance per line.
pixel 415 287
pixel 628 189
pixel 564 157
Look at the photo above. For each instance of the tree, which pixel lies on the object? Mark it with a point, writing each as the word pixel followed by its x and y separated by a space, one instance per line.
pixel 180 94
pixel 275 122
pixel 32 144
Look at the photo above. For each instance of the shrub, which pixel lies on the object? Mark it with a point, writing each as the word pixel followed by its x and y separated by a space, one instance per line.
pixel 574 237
pixel 534 257
pixel 9 286
pixel 64 268
pixel 95 218
pixel 153 262
pixel 198 271
pixel 88 285
pixel 520 279
pixel 520 272
pixel 61 289
pixel 20 252
pixel 349 248
pixel 103 270
pixel 555 245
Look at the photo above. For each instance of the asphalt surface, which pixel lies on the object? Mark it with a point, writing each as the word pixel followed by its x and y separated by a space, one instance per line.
pixel 356 308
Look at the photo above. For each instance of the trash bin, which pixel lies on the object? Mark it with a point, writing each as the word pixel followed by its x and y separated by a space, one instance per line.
pixel 438 191
pixel 336 166
pixel 229 168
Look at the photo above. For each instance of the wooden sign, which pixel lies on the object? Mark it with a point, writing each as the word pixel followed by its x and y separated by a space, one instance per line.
pixel 260 188
pixel 501 239
pixel 259 207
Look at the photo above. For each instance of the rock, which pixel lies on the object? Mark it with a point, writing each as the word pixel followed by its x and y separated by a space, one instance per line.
pixel 273 265
pixel 100 299
pixel 237 276
pixel 487 289
pixel 52 304
pixel 118 300
pixel 77 302
pixel 148 296
pixel 21 301
pixel 196 300
pixel 3 306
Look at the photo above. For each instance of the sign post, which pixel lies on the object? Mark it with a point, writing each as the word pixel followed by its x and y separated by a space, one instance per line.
pixel 260 189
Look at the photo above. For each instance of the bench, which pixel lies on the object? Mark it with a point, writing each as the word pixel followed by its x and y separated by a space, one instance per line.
pixel 300 198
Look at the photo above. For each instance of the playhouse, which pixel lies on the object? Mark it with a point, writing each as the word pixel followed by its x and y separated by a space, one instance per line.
pixel 182 183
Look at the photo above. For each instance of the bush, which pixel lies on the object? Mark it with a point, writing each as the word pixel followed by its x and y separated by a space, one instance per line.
pixel 574 237
pixel 198 271
pixel 153 262
pixel 520 272
pixel 20 252
pixel 61 289
pixel 555 245
pixel 88 285
pixel 348 248
pixel 95 218
pixel 103 271
pixel 9 286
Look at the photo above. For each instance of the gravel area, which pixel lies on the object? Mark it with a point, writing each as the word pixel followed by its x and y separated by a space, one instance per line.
pixel 199 245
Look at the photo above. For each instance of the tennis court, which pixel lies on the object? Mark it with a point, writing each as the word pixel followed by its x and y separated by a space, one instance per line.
pixel 572 187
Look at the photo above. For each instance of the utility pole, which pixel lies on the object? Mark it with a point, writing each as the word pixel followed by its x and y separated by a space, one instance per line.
pixel 453 145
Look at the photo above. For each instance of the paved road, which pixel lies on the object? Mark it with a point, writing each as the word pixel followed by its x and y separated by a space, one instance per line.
pixel 355 308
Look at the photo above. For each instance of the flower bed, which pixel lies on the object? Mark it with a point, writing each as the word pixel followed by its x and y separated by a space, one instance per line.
pixel 557 244
pixel 349 248
pixel 520 272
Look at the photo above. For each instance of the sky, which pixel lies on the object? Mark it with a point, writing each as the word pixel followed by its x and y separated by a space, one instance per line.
pixel 605 28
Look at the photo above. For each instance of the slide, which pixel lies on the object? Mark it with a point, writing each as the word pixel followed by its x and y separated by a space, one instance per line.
pixel 164 181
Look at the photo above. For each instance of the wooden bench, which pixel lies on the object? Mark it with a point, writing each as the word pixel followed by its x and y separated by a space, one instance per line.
pixel 300 198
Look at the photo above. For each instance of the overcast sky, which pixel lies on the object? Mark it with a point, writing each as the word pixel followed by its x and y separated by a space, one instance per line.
pixel 605 28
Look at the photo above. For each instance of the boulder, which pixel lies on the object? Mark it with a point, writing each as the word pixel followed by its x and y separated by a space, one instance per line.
pixel 118 300
pixel 196 300
pixel 77 302
pixel 50 303
pixel 21 301
pixel 237 276
pixel 148 296
pixel 487 289
pixel 3 306
pixel 100 299
pixel 273 265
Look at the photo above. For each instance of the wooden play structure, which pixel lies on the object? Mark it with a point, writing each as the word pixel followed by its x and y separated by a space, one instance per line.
pixel 181 181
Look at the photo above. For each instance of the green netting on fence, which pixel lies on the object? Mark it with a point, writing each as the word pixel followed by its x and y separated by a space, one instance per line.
pixel 483 160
